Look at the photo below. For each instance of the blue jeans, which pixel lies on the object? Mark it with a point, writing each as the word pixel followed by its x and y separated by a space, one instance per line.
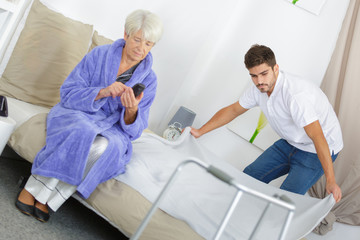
pixel 303 168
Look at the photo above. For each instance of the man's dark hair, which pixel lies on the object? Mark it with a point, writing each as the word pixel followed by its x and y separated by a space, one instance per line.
pixel 259 54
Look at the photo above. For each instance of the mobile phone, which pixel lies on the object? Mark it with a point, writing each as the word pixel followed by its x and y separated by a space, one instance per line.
pixel 138 89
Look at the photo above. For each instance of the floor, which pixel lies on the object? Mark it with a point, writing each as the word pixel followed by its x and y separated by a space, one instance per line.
pixel 71 221
pixel 340 232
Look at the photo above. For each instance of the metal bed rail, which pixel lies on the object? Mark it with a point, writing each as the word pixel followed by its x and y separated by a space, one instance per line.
pixel 281 201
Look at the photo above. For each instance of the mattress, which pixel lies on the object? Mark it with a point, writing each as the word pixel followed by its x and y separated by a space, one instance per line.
pixel 125 208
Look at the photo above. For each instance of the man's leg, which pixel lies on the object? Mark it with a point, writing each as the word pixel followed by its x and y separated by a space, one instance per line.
pixel 304 172
pixel 271 164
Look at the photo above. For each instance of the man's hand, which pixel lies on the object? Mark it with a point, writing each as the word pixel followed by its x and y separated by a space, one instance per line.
pixel 335 190
pixel 195 132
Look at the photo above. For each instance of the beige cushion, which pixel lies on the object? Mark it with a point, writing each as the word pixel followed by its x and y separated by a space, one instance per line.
pixel 47 50
pixel 125 208
pixel 98 40
pixel 29 138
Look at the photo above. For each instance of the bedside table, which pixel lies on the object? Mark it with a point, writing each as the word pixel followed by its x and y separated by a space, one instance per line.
pixel 7 126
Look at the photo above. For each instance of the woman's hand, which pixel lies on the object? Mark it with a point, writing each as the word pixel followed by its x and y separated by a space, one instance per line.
pixel 130 102
pixel 128 99
pixel 114 90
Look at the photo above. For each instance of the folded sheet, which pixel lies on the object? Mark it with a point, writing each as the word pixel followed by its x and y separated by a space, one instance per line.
pixel 201 200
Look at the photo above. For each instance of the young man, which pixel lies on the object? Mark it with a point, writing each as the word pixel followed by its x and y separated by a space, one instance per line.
pixel 301 115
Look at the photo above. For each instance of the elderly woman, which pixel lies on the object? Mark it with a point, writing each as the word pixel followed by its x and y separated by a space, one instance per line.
pixel 89 132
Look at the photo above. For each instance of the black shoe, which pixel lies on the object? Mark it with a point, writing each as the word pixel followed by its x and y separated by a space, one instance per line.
pixel 24 208
pixel 41 215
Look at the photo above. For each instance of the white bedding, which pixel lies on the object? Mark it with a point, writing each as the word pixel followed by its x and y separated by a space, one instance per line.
pixel 22 111
pixel 201 200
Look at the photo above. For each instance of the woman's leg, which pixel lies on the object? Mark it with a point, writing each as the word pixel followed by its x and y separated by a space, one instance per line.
pixel 26 197
pixel 49 191
pixel 52 192
pixel 25 202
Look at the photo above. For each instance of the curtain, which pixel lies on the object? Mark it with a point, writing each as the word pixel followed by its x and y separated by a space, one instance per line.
pixel 341 84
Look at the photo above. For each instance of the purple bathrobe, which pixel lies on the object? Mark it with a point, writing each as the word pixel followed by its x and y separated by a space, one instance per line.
pixel 73 124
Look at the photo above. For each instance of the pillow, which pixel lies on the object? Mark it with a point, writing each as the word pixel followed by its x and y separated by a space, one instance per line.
pixel 13 39
pixel 28 139
pixel 98 40
pixel 47 50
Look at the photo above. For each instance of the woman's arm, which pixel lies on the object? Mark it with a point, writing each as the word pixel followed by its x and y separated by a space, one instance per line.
pixel 131 103
pixel 135 114
pixel 80 88
pixel 114 90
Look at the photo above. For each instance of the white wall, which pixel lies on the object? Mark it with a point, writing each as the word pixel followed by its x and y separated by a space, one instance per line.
pixel 302 42
pixel 199 60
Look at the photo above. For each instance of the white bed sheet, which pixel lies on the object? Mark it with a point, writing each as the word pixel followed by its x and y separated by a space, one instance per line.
pixel 22 111
pixel 201 200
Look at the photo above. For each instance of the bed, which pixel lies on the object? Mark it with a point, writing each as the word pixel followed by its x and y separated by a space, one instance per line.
pixel 41 55
pixel 125 200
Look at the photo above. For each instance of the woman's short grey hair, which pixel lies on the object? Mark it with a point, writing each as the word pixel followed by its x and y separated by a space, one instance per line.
pixel 144 20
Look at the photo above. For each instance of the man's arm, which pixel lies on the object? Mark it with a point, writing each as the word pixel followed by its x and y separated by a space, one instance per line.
pixel 222 117
pixel 314 131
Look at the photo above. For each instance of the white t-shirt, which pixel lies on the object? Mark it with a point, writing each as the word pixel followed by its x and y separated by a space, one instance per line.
pixel 293 104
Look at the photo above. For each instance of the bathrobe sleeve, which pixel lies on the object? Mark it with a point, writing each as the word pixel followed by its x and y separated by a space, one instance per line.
pixel 81 87
pixel 135 129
